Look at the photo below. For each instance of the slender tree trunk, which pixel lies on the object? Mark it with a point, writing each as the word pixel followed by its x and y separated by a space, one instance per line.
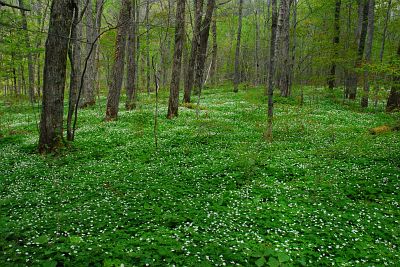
pixel 177 63
pixel 76 72
pixel 385 30
pixel 148 47
pixel 271 71
pixel 118 68
pixel 202 51
pixel 213 68
pixel 257 46
pixel 368 50
pixel 393 102
pixel 237 51
pixel 31 70
pixel 131 90
pixel 137 8
pixel 362 34
pixel 193 52
pixel 51 123
pixel 336 39
pixel 294 46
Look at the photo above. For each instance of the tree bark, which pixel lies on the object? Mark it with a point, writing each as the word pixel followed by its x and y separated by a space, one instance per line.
pixel 284 45
pixel 393 102
pixel 271 71
pixel 237 51
pixel 385 30
pixel 213 68
pixel 118 67
pixel 93 23
pixel 76 72
pixel 51 123
pixel 177 63
pixel 148 47
pixel 202 51
pixel 368 50
pixel 336 40
pixel 131 90
pixel 31 69
pixel 361 36
pixel 191 68
pixel 257 46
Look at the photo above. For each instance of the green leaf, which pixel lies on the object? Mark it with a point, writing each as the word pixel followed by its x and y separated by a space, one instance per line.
pixel 49 264
pixel 273 262
pixel 283 257
pixel 75 239
pixel 260 262
pixel 42 239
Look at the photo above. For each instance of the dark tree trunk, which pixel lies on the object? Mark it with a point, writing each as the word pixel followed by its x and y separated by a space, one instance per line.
pixel 368 50
pixel 336 39
pixel 294 46
pixel 361 34
pixel 51 123
pixel 118 67
pixel 257 47
pixel 76 72
pixel 31 70
pixel 271 71
pixel 131 90
pixel 385 30
pixel 177 63
pixel 213 68
pixel 148 46
pixel 202 51
pixel 237 51
pixel 191 68
pixel 393 102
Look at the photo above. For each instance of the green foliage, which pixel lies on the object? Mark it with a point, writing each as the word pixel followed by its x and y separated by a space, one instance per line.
pixel 214 193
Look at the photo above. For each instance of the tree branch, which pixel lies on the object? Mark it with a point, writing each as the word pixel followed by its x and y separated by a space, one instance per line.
pixel 2 3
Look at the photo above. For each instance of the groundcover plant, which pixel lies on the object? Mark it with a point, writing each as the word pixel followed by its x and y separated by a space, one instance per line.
pixel 213 192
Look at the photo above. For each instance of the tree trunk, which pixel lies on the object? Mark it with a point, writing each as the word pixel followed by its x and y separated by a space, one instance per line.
pixel 51 123
pixel 148 46
pixel 202 51
pixel 294 46
pixel 393 102
pixel 385 30
pixel 131 90
pixel 118 67
pixel 257 47
pixel 237 51
pixel 368 50
pixel 31 70
pixel 271 71
pixel 213 69
pixel 76 72
pixel 93 23
pixel 191 68
pixel 283 45
pixel 336 39
pixel 361 36
pixel 177 63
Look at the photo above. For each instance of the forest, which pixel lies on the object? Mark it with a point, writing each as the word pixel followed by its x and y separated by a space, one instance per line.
pixel 199 133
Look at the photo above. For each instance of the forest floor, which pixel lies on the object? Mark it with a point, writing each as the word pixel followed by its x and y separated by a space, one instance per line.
pixel 214 193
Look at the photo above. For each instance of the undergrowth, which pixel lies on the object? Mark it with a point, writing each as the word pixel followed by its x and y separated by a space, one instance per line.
pixel 214 193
